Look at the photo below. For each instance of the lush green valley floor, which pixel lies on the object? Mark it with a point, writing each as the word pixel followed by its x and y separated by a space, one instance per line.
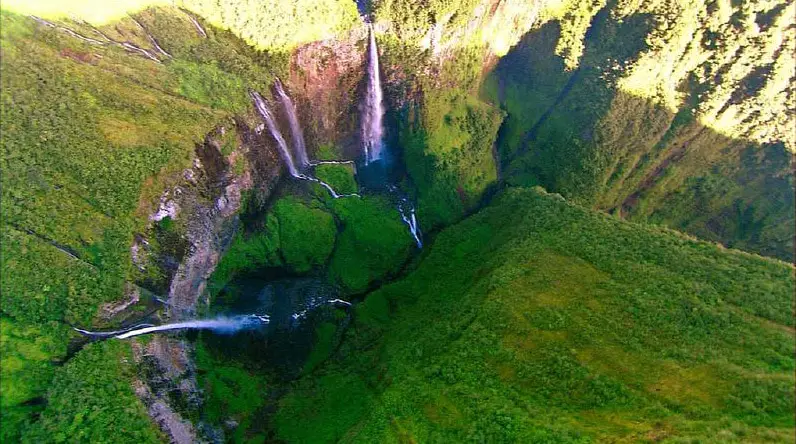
pixel 539 321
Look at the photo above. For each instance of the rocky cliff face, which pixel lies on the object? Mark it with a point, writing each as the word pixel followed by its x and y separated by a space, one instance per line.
pixel 325 79
pixel 206 204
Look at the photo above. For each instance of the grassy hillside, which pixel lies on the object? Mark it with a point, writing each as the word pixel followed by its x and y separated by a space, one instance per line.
pixel 538 321
pixel 675 112
pixel 274 25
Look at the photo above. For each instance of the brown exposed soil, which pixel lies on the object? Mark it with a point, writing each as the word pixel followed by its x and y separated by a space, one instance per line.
pixel 78 56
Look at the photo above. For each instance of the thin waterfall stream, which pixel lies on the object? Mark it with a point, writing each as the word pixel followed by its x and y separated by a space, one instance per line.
pixel 265 113
pixel 373 134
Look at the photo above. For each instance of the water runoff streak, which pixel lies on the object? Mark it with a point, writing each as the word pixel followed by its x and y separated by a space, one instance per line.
pixel 270 122
pixel 410 220
pixel 407 211
pixel 265 113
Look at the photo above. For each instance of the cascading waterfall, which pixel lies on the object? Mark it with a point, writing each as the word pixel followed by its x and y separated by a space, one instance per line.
pixel 295 127
pixel 265 112
pixel 226 325
pixel 331 162
pixel 221 324
pixel 372 128
pixel 109 334
pixel 262 108
pixel 373 132
pixel 315 303
pixel 373 112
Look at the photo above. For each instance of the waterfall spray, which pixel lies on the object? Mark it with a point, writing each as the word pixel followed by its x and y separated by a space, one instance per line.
pixel 373 112
pixel 295 127
pixel 225 325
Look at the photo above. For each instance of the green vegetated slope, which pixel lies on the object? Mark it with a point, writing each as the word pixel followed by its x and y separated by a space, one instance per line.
pixel 445 133
pixel 672 113
pixel 92 135
pixel 91 399
pixel 536 320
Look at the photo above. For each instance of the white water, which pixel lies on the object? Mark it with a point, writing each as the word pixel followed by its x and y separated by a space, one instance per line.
pixel 330 162
pixel 410 220
pixel 295 127
pixel 107 334
pixel 262 107
pixel 219 325
pixel 373 112
pixel 315 303
pixel 328 187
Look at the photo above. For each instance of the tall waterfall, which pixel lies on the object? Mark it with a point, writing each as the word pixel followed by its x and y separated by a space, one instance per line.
pixel 295 127
pixel 373 112
pixel 259 102
pixel 219 325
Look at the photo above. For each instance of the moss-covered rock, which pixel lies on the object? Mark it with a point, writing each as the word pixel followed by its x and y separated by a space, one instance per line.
pixel 306 234
pixel 339 177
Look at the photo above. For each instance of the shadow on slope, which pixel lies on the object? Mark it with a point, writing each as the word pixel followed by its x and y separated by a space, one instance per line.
pixel 576 133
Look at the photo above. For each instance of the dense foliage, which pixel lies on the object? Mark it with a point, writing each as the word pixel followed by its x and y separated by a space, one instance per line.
pixel 300 238
pixel 528 322
pixel 373 242
pixel 275 25
pixel 279 24
pixel 92 400
pixel 28 366
pixel 295 236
